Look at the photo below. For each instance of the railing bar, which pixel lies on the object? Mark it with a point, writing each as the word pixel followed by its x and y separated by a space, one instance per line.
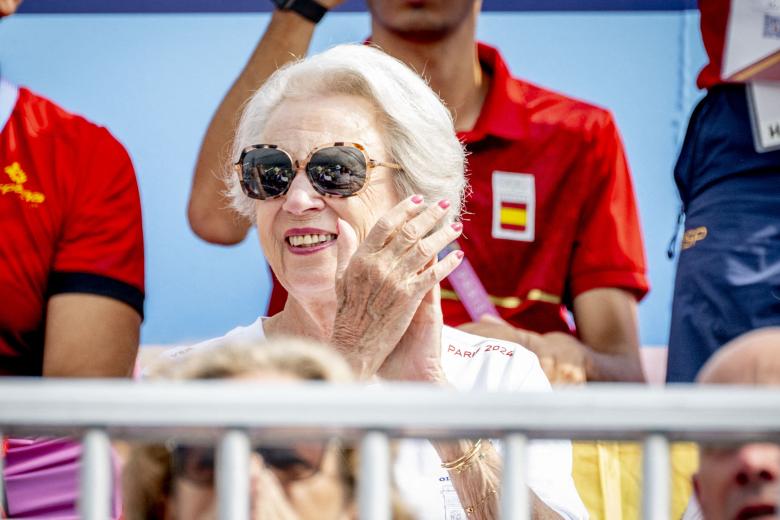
pixel 374 482
pixel 655 481
pixel 233 476
pixel 514 489
pixel 59 408
pixel 95 483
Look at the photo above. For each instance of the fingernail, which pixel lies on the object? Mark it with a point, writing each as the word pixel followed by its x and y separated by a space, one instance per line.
pixel 457 226
pixel 417 199
pixel 444 204
pixel 459 254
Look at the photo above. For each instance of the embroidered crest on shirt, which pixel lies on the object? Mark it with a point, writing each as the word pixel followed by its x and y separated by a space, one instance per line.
pixel 18 178
pixel 514 206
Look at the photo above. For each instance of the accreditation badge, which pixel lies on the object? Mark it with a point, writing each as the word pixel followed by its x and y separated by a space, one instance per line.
pixel 751 50
pixel 764 103
pixel 514 206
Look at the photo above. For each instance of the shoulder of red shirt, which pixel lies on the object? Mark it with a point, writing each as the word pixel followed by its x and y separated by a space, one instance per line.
pixel 513 105
pixel 43 116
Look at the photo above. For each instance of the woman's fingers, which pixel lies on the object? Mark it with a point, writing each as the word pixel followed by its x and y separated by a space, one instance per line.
pixel 387 226
pixel 412 232
pixel 423 251
pixel 439 271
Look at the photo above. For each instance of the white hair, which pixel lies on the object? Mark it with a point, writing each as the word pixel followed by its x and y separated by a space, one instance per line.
pixel 418 127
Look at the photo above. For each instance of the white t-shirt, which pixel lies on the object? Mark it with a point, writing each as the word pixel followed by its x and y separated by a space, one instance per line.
pixel 470 363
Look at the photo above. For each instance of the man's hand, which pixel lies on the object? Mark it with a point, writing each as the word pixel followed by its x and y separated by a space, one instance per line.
pixel 562 357
pixel 608 344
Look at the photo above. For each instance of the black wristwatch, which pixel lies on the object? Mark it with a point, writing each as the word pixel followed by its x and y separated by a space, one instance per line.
pixel 309 9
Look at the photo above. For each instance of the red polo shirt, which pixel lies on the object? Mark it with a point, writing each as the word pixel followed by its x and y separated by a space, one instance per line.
pixel 552 212
pixel 71 220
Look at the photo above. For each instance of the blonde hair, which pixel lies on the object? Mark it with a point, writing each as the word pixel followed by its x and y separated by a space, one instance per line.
pixel 299 357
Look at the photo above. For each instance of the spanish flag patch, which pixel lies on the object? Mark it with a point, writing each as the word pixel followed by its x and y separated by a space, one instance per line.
pixel 514 206
pixel 514 215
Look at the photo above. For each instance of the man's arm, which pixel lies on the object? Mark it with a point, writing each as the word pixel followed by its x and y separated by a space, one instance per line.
pixel 287 38
pixel 608 344
pixel 607 324
pixel 89 336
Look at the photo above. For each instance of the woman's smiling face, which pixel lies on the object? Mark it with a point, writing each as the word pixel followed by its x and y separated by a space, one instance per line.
pixel 298 230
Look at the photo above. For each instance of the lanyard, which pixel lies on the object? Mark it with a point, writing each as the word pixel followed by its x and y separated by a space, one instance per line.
pixel 469 288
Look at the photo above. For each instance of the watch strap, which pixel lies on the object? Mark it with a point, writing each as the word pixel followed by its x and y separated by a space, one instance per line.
pixel 309 9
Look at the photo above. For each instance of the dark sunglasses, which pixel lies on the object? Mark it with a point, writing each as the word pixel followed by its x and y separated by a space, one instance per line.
pixel 196 463
pixel 338 170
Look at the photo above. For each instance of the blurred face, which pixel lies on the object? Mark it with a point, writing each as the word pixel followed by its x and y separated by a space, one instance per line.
pixel 422 20
pixel 301 481
pixel 739 483
pixel 298 230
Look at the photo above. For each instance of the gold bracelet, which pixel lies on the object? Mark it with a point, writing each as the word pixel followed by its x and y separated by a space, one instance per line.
pixel 470 510
pixel 468 463
pixel 461 461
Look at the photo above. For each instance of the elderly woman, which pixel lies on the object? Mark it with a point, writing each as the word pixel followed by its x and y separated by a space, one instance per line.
pixel 349 166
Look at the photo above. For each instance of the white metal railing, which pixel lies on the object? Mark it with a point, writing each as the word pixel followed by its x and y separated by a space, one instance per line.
pixel 233 415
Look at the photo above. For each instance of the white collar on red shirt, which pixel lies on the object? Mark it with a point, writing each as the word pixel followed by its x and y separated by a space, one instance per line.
pixel 8 95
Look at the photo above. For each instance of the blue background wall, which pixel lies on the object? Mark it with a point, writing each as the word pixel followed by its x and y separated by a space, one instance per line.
pixel 155 80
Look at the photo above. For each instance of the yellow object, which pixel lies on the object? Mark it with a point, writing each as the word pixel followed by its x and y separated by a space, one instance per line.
pixel 17 175
pixel 509 302
pixel 541 296
pixel 608 476
pixel 513 216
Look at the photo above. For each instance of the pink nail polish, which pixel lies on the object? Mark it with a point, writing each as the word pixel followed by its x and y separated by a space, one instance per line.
pixel 417 199
pixel 444 204
pixel 460 254
pixel 457 226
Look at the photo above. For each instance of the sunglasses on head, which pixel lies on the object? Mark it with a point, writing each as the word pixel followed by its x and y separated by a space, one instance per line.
pixel 337 170
pixel 196 463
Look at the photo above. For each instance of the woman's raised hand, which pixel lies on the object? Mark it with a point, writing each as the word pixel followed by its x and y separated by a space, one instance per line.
pixel 381 282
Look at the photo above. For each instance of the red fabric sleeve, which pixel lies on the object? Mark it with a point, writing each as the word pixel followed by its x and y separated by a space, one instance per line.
pixel 714 21
pixel 608 250
pixel 102 233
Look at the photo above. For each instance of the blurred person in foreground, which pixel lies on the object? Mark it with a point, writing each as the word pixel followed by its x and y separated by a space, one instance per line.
pixel 739 482
pixel 552 221
pixel 350 167
pixel 309 480
pixel 71 272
